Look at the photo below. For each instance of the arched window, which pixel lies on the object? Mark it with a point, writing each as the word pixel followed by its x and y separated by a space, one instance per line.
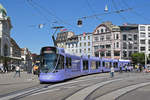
pixel 102 31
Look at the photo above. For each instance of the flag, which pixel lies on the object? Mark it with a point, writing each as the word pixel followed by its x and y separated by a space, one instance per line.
pixel 84 34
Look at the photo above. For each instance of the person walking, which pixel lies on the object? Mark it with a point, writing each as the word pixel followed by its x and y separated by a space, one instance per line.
pixel 112 72
pixel 17 69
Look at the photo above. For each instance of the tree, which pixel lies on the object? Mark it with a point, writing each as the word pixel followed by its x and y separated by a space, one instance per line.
pixel 138 58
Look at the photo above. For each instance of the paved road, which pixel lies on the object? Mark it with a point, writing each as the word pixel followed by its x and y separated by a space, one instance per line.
pixel 124 86
pixel 10 84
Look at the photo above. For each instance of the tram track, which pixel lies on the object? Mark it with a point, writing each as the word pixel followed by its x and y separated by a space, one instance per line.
pixel 94 88
pixel 50 87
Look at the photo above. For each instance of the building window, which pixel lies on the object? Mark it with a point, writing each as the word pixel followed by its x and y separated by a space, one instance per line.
pixel 95 48
pixel 102 30
pixel 149 48
pixel 135 37
pixel 148 34
pixel 125 37
pixel 130 46
pixel 114 45
pixel 96 38
pixel 130 53
pixel 102 38
pixel 142 48
pixel 84 50
pixel 97 31
pixel 149 42
pixel 130 37
pixel 142 34
pixel 148 28
pixel 135 47
pixel 116 53
pixel 124 53
pixel 102 46
pixel 108 46
pixel 108 53
pixel 85 44
pixel 88 43
pixel 102 54
pixel 89 37
pixel 124 45
pixel 142 28
pixel 117 44
pixel 80 44
pixel 117 37
pixel 88 49
pixel 80 50
pixel 84 37
pixel 108 37
pixel 142 41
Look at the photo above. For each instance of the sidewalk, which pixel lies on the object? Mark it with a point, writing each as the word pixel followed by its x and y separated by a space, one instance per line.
pixel 8 78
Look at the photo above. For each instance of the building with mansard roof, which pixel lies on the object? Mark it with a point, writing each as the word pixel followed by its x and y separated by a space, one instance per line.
pixel 107 41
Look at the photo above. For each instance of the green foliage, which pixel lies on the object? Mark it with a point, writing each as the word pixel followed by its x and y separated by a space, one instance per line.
pixel 138 58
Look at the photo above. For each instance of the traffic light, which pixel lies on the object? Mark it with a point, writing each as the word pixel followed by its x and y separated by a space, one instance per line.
pixel 79 23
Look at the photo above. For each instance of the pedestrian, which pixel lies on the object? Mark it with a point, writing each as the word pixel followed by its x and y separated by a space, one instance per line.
pixel 2 67
pixel 120 69
pixel 126 68
pixel 112 72
pixel 17 69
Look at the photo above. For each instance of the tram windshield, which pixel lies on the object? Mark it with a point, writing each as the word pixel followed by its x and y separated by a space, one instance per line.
pixel 48 62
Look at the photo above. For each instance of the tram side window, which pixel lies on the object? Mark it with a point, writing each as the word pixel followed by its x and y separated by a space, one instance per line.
pixel 97 64
pixel 115 64
pixel 68 62
pixel 110 64
pixel 85 65
pixel 103 64
pixel 60 62
pixel 93 65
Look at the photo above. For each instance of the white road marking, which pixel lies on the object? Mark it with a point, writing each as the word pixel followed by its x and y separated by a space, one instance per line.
pixel 46 91
pixel 117 93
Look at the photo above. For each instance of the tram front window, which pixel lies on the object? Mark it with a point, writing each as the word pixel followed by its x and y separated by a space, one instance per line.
pixel 48 62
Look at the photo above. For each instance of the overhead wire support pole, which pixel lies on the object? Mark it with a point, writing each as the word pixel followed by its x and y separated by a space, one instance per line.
pixel 53 36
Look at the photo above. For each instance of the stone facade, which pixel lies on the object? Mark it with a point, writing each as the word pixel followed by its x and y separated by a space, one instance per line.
pixel 62 38
pixel 106 41
pixel 5 27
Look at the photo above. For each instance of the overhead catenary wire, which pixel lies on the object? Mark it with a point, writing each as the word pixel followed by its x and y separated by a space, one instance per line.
pixel 107 13
pixel 90 7
pixel 116 8
pixel 51 14
pixel 136 13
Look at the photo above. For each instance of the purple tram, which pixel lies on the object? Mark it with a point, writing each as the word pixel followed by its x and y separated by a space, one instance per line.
pixel 56 65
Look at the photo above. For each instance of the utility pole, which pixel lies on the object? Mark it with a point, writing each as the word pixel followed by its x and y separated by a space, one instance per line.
pixel 53 36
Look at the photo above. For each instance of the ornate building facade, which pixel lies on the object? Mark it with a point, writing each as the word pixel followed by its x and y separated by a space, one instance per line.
pixel 5 28
pixel 107 41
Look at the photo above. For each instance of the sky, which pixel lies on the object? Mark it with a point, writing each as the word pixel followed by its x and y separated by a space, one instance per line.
pixel 26 15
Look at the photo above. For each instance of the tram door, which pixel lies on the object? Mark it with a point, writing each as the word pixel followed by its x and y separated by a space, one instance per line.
pixel 68 68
